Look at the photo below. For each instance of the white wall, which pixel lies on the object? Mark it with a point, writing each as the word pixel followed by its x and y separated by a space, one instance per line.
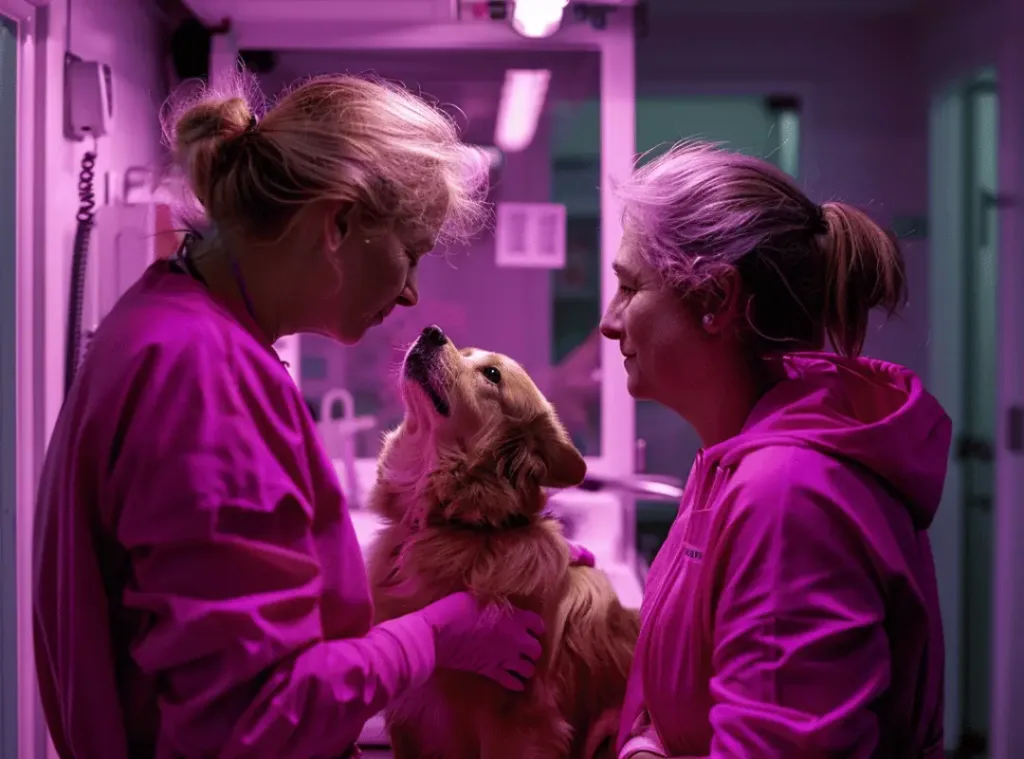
pixel 124 34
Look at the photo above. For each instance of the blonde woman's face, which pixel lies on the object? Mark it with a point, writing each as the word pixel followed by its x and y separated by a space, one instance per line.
pixel 371 272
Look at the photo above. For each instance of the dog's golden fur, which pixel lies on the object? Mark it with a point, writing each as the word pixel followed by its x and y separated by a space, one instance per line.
pixel 461 494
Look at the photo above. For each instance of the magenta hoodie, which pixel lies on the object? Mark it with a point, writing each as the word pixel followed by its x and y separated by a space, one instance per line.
pixel 199 591
pixel 793 610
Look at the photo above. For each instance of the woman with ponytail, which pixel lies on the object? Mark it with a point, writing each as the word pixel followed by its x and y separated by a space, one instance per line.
pixel 793 610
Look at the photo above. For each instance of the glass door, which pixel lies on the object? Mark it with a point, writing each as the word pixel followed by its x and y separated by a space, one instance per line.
pixel 8 432
pixel 22 731
pixel 544 316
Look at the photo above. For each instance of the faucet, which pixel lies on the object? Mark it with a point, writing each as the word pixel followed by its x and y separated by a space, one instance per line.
pixel 339 435
pixel 646 487
pixel 638 487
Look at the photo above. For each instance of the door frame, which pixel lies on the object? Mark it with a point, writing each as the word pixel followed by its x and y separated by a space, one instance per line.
pixel 22 728
pixel 615 44
pixel 983 81
pixel 952 233
pixel 947 235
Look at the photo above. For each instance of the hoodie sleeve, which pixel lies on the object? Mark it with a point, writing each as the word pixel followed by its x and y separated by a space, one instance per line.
pixel 800 654
pixel 217 519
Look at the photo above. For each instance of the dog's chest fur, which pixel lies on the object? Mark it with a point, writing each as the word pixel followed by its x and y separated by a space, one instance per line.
pixel 411 568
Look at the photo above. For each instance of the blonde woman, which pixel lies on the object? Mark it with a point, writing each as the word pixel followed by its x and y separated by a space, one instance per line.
pixel 199 591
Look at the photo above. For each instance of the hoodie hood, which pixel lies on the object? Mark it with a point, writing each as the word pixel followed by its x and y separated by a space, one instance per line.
pixel 876 414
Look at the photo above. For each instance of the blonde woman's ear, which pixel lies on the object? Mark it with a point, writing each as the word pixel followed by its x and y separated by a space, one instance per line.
pixel 337 229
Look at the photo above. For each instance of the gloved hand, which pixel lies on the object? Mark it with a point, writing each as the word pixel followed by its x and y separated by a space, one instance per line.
pixel 579 556
pixel 498 643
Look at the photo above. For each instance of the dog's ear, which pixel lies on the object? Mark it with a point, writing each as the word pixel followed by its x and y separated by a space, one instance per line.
pixel 563 464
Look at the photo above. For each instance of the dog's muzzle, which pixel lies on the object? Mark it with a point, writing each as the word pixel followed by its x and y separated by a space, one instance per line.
pixel 422 366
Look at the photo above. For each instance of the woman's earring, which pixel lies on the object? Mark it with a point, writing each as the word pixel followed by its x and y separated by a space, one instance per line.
pixel 708 320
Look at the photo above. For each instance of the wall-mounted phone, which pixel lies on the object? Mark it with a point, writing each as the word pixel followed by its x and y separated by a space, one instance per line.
pixel 88 97
pixel 89 111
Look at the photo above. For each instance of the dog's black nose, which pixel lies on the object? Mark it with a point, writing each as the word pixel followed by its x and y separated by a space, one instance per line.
pixel 433 335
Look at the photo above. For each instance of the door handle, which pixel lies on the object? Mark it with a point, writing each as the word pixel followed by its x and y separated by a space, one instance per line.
pixel 973 449
pixel 989 201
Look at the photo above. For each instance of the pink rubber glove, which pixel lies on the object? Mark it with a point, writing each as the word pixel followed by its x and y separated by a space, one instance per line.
pixel 501 644
pixel 580 556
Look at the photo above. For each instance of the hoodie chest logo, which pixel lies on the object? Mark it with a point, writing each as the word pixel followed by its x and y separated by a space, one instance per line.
pixel 697 529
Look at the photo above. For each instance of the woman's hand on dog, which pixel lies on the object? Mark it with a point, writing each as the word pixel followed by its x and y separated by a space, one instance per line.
pixel 580 556
pixel 499 643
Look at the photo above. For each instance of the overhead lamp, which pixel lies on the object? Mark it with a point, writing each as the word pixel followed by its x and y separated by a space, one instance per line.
pixel 538 18
pixel 522 102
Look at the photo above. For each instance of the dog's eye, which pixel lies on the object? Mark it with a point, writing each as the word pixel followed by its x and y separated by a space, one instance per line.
pixel 493 375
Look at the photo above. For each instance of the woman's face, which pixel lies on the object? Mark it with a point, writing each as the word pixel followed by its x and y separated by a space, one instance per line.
pixel 662 344
pixel 368 273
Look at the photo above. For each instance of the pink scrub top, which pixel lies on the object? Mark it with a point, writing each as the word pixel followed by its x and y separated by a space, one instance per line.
pixel 199 591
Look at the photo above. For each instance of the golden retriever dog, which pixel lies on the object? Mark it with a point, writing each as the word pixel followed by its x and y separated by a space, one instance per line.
pixel 461 489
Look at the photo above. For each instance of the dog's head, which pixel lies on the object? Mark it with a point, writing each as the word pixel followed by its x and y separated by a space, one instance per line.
pixel 479 440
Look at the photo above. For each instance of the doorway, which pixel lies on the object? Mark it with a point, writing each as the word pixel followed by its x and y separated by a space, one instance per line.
pixel 963 229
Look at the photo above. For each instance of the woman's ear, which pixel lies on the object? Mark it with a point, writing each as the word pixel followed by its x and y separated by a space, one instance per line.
pixel 722 305
pixel 337 226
